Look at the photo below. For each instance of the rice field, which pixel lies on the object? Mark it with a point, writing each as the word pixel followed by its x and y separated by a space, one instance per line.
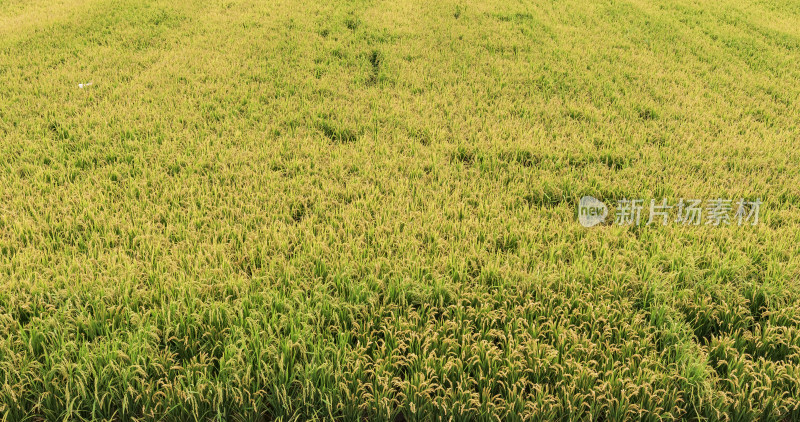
pixel 233 210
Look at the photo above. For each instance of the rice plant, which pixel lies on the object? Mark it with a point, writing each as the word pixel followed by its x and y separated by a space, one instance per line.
pixel 366 210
